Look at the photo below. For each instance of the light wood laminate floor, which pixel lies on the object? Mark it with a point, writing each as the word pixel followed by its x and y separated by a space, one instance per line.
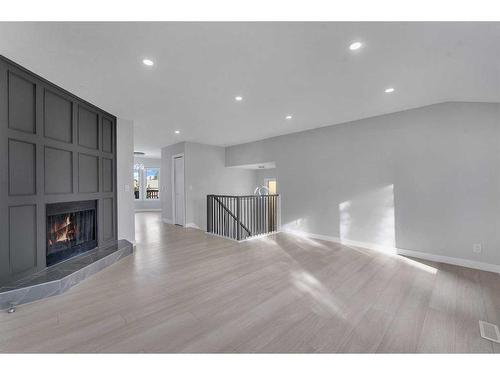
pixel 185 291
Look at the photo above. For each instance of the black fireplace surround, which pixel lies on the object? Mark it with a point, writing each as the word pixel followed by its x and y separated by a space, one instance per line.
pixel 71 229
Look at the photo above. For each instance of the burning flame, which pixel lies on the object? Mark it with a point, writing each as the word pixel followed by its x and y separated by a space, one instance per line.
pixel 62 230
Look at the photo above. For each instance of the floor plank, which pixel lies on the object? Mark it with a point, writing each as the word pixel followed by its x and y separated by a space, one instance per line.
pixel 185 291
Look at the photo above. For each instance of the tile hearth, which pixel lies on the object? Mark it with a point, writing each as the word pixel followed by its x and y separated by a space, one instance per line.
pixel 60 277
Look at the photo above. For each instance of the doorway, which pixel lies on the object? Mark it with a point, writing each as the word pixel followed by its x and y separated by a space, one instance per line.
pixel 272 189
pixel 270 183
pixel 178 189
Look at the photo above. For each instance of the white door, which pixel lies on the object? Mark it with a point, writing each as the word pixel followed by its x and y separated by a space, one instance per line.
pixel 179 190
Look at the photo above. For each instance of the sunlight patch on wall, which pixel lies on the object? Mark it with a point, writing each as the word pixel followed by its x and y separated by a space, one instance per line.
pixel 298 228
pixel 369 218
pixel 345 219
pixel 294 225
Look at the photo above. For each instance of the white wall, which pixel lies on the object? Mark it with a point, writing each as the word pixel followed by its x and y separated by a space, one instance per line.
pixel 426 180
pixel 206 173
pixel 166 178
pixel 148 204
pixel 125 179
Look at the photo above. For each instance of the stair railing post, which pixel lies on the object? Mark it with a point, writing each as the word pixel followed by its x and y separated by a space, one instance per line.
pixel 208 214
pixel 238 220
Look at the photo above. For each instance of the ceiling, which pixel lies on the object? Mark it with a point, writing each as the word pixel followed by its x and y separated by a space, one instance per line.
pixel 301 69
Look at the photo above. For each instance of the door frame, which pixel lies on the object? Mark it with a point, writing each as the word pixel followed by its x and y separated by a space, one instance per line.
pixel 174 208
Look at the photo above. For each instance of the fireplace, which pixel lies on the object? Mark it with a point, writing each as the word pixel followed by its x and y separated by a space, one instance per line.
pixel 71 229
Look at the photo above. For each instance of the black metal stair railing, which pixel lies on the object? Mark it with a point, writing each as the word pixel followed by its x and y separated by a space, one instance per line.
pixel 242 217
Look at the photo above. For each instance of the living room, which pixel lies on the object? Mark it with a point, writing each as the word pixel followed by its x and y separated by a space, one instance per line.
pixel 250 187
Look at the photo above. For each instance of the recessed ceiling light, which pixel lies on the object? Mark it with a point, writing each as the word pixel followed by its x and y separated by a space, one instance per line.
pixel 389 90
pixel 238 98
pixel 148 62
pixel 356 45
pixel 177 132
pixel 289 117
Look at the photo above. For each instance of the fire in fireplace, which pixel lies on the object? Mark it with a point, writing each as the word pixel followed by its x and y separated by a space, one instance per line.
pixel 71 229
pixel 62 230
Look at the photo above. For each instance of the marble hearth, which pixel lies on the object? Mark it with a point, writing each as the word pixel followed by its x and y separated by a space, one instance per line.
pixel 62 276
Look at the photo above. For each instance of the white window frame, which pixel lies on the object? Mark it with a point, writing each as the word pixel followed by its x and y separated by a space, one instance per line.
pixel 141 168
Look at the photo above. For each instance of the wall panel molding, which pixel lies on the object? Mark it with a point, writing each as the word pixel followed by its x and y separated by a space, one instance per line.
pixel 53 148
pixel 57 117
pixel 22 168
pixel 21 93
pixel 58 170
pixel 107 135
pixel 107 219
pixel 88 128
pixel 88 173
pixel 22 238
pixel 107 175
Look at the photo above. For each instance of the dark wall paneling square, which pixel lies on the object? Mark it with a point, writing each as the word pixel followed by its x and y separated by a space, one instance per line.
pixel 58 167
pixel 107 219
pixel 22 168
pixel 88 128
pixel 107 135
pixel 21 94
pixel 107 175
pixel 88 173
pixel 22 238
pixel 57 117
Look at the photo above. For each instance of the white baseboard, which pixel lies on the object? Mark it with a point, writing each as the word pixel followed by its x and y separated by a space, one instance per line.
pixel 245 240
pixel 188 225
pixel 259 236
pixel 396 251
pixel 219 236
pixel 451 260
pixel 366 245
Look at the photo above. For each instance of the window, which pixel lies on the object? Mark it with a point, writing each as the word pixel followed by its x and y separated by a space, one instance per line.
pixel 137 183
pixel 152 183
pixel 146 182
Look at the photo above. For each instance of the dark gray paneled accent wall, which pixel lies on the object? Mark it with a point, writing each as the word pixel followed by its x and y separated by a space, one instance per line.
pixel 58 166
pixel 107 175
pixel 107 219
pixel 22 168
pixel 107 135
pixel 88 128
pixel 23 254
pixel 54 147
pixel 58 118
pixel 88 173
pixel 21 103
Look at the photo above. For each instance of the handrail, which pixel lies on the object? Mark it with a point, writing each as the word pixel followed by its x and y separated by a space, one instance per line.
pixel 231 214
pixel 240 217
pixel 243 196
